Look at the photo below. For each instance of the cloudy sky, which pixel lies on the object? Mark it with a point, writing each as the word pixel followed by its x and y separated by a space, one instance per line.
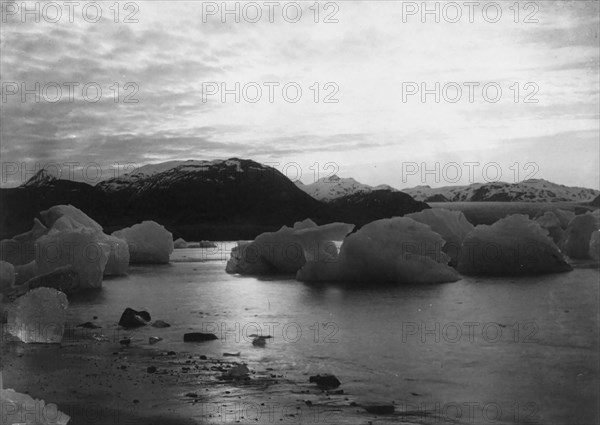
pixel 353 80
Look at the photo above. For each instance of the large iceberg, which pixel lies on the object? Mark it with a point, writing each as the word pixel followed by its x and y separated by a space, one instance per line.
pixel 82 248
pixel 38 316
pixel 148 241
pixel 7 276
pixel 576 239
pixel 395 250
pixel 514 245
pixel 452 226
pixel 286 250
pixel 67 218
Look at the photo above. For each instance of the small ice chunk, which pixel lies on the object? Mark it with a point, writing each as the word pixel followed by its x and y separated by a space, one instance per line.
pixel 576 239
pixel 453 226
pixel 38 316
pixel 7 276
pixel 514 245
pixel 247 260
pixel 82 248
pixel 148 241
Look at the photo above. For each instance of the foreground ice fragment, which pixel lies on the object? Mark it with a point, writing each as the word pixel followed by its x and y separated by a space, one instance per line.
pixel 514 245
pixel 22 409
pixel 68 214
pixel 38 316
pixel 148 241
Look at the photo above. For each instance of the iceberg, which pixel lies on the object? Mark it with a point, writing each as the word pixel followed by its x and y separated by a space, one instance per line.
pixel 118 257
pixel 577 238
pixel 452 226
pixel 70 215
pixel 25 272
pixel 148 241
pixel 395 250
pixel 180 243
pixel 7 277
pixel 22 409
pixel 550 221
pixel 286 250
pixel 38 316
pixel 20 249
pixel 514 245
pixel 595 245
pixel 81 248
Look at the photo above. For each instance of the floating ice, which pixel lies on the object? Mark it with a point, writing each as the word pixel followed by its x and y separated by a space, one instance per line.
pixel 22 409
pixel 577 238
pixel 82 248
pixel 148 241
pixel 595 245
pixel 118 257
pixel 38 316
pixel 246 260
pixel 25 272
pixel 7 276
pixel 73 217
pixel 180 243
pixel 550 221
pixel 20 249
pixel 453 226
pixel 286 250
pixel 564 216
pixel 514 245
pixel 390 250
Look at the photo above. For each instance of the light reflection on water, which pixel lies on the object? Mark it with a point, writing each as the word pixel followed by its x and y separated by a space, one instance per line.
pixel 527 346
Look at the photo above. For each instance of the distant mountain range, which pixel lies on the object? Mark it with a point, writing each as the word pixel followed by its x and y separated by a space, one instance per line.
pixel 331 188
pixel 219 200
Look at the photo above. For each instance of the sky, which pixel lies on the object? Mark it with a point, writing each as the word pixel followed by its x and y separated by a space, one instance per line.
pixel 379 91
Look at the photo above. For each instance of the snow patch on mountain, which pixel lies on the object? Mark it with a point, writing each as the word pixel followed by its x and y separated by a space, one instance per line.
pixel 334 187
pixel 533 190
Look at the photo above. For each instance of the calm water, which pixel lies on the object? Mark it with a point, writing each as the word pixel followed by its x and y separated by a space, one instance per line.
pixel 482 350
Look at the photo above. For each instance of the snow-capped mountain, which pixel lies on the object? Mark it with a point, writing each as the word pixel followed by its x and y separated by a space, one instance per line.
pixel 333 187
pixel 167 173
pixel 533 190
pixel 40 179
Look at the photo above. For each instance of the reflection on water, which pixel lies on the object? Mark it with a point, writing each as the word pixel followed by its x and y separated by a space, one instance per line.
pixel 490 349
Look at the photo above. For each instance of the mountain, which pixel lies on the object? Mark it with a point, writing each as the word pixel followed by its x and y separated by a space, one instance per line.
pixel 533 190
pixel 363 207
pixel 223 199
pixel 333 187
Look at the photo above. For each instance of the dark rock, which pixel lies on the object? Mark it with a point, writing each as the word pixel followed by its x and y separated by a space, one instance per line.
pixel 125 341
pixel 198 337
pixel 89 325
pixel 325 381
pixel 160 324
pixel 380 409
pixel 203 357
pixel 193 395
pixel 151 369
pixel 133 319
pixel 171 353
